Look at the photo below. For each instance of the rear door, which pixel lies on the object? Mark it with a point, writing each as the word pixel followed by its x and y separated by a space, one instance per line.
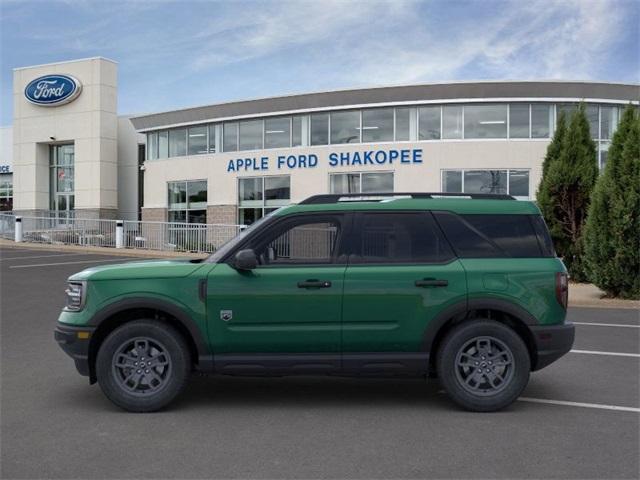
pixel 401 274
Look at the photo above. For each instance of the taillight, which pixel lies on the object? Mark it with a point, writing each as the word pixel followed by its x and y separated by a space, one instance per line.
pixel 562 289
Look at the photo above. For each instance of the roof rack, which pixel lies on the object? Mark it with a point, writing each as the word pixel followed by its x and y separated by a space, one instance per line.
pixel 377 197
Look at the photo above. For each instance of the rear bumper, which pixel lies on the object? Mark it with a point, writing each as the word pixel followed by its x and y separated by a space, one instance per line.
pixel 552 342
pixel 74 345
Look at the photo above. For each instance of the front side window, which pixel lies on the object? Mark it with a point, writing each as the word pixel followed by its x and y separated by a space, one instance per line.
pixel 197 140
pixel 399 238
pixel 361 182
pixel 178 142
pixel 377 125
pixel 307 240
pixel 485 121
pixel 345 127
pixel 277 132
pixel 187 201
pixel 429 123
pixel 258 196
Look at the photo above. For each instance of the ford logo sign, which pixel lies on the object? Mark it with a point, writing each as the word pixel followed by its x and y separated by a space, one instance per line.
pixel 53 90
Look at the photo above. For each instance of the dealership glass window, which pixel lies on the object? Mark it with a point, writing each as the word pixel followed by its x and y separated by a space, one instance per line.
pixel 604 153
pixel 512 182
pixel 452 121
pixel 187 201
pixel 212 138
pixel 178 142
pixel 163 144
pixel 608 122
pixel 568 109
pixel 320 129
pixel 485 121
pixel 6 192
pixel 359 182
pixel 61 184
pixel 152 146
pixel 403 124
pixel 519 120
pixel 541 120
pixel 377 125
pixel 251 135
pixel 296 131
pixel 277 132
pixel 230 137
pixel 345 127
pixel 592 113
pixel 429 123
pixel 197 140
pixel 258 196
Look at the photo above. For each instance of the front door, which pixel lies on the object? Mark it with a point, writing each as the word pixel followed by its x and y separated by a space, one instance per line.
pixel 401 275
pixel 290 305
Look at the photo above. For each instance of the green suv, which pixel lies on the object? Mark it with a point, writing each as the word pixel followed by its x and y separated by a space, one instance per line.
pixel 467 288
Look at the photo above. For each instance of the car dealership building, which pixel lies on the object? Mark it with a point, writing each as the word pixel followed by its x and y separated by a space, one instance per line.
pixel 233 162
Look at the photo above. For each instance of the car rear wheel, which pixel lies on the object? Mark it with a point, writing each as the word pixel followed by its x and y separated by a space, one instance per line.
pixel 483 365
pixel 143 365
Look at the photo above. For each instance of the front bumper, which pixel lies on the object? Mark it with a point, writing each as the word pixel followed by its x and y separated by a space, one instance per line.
pixel 552 342
pixel 75 343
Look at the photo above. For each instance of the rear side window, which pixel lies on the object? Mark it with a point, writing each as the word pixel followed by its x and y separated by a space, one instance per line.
pixel 485 236
pixel 544 239
pixel 399 238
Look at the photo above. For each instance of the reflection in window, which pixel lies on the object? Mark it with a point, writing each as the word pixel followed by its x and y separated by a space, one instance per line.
pixel 452 121
pixel 359 182
pixel 251 135
pixel 230 137
pixel 429 123
pixel 377 125
pixel 320 129
pixel 197 139
pixel 258 196
pixel 187 201
pixel 485 121
pixel 178 142
pixel 277 132
pixel 519 120
pixel 403 124
pixel 308 242
pixel 6 192
pixel 345 127
pixel 511 182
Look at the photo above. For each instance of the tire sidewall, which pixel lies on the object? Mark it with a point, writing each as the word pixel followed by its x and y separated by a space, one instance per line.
pixel 446 365
pixel 177 349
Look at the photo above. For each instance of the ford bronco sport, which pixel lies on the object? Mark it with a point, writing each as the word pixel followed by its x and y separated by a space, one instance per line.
pixel 467 288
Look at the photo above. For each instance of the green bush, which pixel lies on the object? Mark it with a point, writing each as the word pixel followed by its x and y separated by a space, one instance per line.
pixel 612 233
pixel 565 190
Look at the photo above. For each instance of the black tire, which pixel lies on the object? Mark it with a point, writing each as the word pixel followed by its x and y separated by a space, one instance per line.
pixel 139 383
pixel 483 365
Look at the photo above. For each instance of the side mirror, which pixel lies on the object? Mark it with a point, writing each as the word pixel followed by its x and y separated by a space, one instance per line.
pixel 245 260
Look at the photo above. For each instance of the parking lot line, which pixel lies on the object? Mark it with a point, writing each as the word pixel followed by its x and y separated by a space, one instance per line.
pixel 615 354
pixel 41 256
pixel 579 404
pixel 67 263
pixel 606 324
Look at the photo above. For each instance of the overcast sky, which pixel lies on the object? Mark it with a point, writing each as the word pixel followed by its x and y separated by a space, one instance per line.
pixel 186 53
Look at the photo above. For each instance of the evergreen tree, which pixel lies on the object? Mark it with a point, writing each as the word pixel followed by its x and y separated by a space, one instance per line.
pixel 612 233
pixel 555 147
pixel 565 191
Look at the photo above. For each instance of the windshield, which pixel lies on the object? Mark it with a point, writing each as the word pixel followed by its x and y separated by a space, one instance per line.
pixel 228 246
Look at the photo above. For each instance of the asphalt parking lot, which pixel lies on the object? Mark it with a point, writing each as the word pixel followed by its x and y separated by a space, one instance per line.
pixel 579 418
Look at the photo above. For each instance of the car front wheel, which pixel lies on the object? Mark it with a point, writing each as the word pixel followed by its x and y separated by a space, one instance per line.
pixel 143 365
pixel 483 365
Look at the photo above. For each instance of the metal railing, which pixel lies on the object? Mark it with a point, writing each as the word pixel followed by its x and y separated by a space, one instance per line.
pixel 163 236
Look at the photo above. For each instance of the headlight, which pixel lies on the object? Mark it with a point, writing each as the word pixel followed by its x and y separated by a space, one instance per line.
pixel 75 296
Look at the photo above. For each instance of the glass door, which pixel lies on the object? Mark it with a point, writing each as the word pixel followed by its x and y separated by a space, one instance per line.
pixel 62 176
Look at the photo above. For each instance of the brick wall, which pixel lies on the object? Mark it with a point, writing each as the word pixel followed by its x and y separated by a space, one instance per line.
pixel 154 214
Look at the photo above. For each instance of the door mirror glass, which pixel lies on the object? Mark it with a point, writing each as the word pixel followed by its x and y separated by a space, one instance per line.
pixel 245 260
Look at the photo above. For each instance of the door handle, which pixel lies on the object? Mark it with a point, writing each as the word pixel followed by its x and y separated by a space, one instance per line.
pixel 431 282
pixel 314 284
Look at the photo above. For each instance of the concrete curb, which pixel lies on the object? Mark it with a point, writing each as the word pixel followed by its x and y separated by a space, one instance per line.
pixel 117 252
pixel 590 296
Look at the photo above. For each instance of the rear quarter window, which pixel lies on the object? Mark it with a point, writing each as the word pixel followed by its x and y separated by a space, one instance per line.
pixel 486 236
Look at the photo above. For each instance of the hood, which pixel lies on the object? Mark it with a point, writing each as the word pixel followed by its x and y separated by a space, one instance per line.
pixel 140 270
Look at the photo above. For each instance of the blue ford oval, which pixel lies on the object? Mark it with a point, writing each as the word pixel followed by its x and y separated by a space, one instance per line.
pixel 52 90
